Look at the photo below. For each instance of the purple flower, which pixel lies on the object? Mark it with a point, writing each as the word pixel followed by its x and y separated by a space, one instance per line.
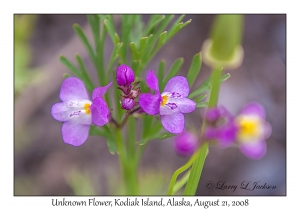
pixel 77 112
pixel 124 75
pixel 253 130
pixel 185 144
pixel 171 104
pixel 248 129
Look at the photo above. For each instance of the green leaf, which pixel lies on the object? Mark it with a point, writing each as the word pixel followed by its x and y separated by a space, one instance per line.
pixel 142 44
pixel 134 51
pixel 200 98
pixel 113 58
pixel 194 69
pixel 161 70
pixel 173 70
pixel 95 25
pixel 206 85
pixel 146 48
pixel 116 38
pixel 88 82
pixel 70 66
pixel 78 30
pixel 105 132
pixel 135 65
pixel 165 135
pixel 65 75
pixel 162 39
pixel 196 171
pixel 153 21
pixel 110 27
pixel 173 30
pixel 202 104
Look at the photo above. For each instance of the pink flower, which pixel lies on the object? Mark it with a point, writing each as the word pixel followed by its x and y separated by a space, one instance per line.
pixel 171 104
pixel 77 112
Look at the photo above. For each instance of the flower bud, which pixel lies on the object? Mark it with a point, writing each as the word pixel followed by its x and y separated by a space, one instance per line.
pixel 124 75
pixel 185 144
pixel 128 103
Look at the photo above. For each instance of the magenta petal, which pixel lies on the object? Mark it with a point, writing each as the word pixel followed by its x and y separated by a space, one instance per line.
pixel 150 103
pixel 100 91
pixel 73 89
pixel 254 109
pixel 100 112
pixel 179 85
pixel 173 123
pixel 75 133
pixel 60 111
pixel 152 81
pixel 254 150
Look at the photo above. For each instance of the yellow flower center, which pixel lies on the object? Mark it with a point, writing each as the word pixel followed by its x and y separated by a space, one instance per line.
pixel 87 108
pixel 164 100
pixel 250 128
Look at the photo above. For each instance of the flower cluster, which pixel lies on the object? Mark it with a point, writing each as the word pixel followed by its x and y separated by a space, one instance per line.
pixel 125 78
pixel 248 129
pixel 77 112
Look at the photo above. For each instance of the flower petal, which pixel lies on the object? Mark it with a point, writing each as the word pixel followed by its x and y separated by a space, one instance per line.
pixel 152 81
pixel 185 105
pixel 60 112
pixel 169 108
pixel 227 134
pixel 75 133
pixel 254 108
pixel 254 150
pixel 178 84
pixel 173 123
pixel 100 112
pixel 73 89
pixel 100 91
pixel 150 103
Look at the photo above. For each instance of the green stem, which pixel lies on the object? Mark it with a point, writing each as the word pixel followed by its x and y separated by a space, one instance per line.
pixel 179 171
pixel 197 167
pixel 179 184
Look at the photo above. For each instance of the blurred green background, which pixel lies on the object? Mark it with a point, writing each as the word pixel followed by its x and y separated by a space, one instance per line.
pixel 44 165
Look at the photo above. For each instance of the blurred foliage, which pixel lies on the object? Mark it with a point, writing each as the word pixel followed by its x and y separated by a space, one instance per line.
pixel 151 182
pixel 23 27
pixel 80 182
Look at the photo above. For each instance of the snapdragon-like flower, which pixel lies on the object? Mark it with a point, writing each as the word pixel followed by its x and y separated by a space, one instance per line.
pixel 248 129
pixel 253 130
pixel 77 112
pixel 171 104
pixel 185 144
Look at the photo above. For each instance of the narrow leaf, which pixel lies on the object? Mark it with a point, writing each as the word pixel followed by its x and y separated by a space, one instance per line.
pixel 153 21
pixel 173 70
pixel 89 84
pixel 110 27
pixel 196 171
pixel 134 51
pixel 69 65
pixel 194 69
pixel 206 85
pixel 78 30
pixel 201 104
pixel 161 70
